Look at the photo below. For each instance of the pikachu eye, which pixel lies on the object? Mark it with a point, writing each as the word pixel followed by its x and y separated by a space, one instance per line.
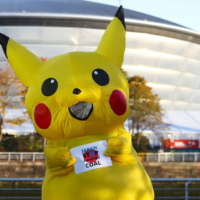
pixel 49 86
pixel 100 77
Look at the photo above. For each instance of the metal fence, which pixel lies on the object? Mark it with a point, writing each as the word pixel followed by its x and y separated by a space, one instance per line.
pixel 186 190
pixel 145 157
pixel 13 192
pixel 187 182
pixel 22 156
pixel 170 157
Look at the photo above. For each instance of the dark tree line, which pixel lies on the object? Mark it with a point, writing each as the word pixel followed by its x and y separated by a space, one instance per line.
pixel 32 142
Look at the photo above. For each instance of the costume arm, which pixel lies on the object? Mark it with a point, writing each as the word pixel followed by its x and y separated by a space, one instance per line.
pixel 58 160
pixel 120 147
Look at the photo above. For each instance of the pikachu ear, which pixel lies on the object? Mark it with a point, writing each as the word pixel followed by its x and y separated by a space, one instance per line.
pixel 23 62
pixel 112 45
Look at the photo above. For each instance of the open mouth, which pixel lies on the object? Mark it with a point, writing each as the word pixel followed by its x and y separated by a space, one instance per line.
pixel 81 110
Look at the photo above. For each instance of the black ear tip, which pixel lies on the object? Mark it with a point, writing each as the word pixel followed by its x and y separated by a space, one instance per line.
pixel 3 42
pixel 120 15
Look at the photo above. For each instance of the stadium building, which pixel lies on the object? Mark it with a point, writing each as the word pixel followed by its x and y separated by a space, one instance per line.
pixel 166 54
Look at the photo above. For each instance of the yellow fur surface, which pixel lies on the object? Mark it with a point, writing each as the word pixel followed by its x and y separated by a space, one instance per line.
pixel 126 179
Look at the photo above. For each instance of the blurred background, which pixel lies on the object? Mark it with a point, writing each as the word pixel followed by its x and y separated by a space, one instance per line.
pixel 162 65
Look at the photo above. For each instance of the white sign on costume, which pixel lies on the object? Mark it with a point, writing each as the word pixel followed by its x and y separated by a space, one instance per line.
pixel 90 156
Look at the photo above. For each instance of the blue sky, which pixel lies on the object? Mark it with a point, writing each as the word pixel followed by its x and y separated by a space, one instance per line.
pixel 183 12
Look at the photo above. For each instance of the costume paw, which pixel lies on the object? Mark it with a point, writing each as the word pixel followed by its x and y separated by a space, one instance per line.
pixel 119 149
pixel 59 159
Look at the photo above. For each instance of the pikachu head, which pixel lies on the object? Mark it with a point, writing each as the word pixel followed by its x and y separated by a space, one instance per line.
pixel 78 93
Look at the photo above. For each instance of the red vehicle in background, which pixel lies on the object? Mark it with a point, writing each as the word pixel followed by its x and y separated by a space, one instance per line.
pixel 181 144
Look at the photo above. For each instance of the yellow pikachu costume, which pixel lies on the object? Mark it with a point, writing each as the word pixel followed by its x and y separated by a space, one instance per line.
pixel 75 99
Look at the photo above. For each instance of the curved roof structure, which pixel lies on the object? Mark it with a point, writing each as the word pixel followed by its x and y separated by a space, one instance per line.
pixel 75 7
pixel 78 13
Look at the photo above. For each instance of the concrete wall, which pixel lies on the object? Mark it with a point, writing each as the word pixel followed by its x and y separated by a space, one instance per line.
pixel 22 169
pixel 173 170
pixel 155 170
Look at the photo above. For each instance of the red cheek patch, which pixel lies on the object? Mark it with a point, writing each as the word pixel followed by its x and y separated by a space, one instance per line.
pixel 42 116
pixel 118 102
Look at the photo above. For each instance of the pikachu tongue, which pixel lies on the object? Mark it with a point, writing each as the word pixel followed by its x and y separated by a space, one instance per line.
pixel 81 110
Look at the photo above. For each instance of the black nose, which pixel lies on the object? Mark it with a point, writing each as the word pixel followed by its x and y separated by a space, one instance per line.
pixel 76 91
